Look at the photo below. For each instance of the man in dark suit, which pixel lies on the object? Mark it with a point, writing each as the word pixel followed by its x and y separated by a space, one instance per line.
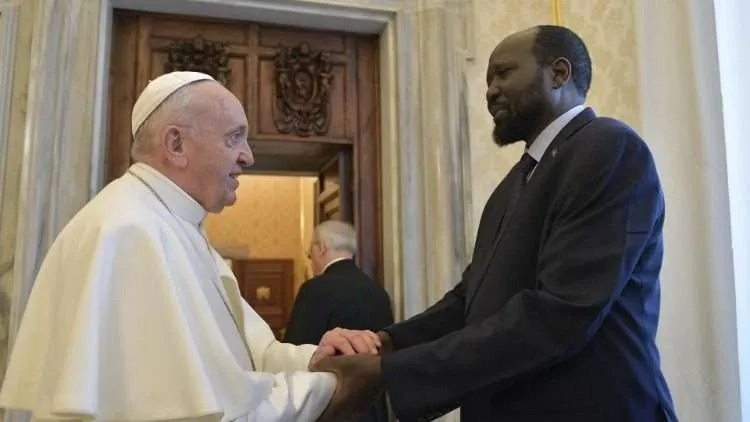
pixel 339 296
pixel 555 318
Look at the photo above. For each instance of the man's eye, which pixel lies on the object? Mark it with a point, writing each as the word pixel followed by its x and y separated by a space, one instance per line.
pixel 236 138
pixel 503 73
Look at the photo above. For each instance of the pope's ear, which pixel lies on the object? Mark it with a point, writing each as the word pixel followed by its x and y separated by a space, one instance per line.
pixel 173 140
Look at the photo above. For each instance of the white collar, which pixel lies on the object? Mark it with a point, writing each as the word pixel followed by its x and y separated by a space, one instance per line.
pixel 545 138
pixel 333 261
pixel 177 200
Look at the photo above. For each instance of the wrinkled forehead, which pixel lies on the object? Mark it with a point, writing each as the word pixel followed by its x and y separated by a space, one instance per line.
pixel 229 110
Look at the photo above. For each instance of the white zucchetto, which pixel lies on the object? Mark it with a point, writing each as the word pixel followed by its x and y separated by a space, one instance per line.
pixel 159 90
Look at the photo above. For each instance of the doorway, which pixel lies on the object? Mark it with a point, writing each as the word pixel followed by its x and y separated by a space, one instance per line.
pixel 311 98
pixel 264 238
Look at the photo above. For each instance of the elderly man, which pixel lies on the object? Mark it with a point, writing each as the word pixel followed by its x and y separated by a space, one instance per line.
pixel 340 295
pixel 135 317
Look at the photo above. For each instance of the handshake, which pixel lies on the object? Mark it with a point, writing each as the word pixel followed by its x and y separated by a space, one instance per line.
pixel 354 357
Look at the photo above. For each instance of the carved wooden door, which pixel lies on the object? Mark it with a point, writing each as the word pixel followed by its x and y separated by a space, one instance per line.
pixel 310 96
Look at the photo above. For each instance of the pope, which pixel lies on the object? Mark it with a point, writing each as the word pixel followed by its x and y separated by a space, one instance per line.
pixel 135 317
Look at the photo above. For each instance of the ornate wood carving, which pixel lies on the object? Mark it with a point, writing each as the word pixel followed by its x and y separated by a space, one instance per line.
pixel 302 82
pixel 200 55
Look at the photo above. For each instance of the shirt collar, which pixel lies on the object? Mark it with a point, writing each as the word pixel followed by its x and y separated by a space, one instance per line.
pixel 542 142
pixel 333 261
pixel 177 200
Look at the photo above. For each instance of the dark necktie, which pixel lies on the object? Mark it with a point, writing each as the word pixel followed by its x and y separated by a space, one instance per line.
pixel 518 175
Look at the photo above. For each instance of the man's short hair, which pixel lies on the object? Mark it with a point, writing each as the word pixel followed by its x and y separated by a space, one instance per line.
pixel 337 235
pixel 553 42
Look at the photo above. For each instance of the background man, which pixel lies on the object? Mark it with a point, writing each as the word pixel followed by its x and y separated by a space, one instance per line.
pixel 340 295
pixel 555 318
pixel 135 317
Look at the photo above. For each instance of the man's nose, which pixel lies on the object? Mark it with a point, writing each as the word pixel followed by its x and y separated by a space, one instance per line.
pixel 246 158
pixel 492 93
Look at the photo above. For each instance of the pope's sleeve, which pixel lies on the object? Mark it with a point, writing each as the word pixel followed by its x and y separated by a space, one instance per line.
pixel 269 354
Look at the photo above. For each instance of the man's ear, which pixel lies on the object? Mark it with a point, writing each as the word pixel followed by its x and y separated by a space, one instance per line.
pixel 561 72
pixel 174 143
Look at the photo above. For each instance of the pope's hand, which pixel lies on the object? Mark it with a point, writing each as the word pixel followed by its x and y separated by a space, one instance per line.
pixel 347 342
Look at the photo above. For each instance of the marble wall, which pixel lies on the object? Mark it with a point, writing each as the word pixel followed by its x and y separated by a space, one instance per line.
pixel 19 68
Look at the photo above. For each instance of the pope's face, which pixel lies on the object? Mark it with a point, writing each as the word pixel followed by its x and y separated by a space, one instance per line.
pixel 219 150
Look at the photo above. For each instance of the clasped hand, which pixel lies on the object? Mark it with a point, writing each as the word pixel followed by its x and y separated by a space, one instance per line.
pixel 353 356
pixel 346 342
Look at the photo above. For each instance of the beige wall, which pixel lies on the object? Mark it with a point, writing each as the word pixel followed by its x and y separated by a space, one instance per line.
pixel 607 27
pixel 265 218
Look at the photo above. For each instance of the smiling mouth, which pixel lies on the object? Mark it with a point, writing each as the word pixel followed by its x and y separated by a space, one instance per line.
pixel 498 111
pixel 498 114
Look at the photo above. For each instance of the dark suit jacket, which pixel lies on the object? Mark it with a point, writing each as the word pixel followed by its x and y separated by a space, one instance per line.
pixel 343 296
pixel 555 318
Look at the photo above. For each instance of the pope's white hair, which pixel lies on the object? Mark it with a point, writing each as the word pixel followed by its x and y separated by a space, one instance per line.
pixel 337 235
pixel 144 139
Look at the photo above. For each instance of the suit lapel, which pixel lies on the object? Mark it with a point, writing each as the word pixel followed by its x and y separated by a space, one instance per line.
pixel 478 273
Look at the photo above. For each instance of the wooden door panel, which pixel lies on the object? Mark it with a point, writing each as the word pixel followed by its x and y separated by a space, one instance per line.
pixel 227 41
pixel 267 110
pixel 122 94
pixel 302 47
pixel 175 27
pixel 367 161
pixel 268 287
pixel 274 36
pixel 236 64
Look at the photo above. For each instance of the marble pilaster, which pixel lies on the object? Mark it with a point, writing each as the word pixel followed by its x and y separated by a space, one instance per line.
pixel 51 124
pixel 15 33
pixel 434 149
pixel 434 152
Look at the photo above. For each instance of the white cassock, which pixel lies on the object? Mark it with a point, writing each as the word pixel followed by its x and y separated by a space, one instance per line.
pixel 134 317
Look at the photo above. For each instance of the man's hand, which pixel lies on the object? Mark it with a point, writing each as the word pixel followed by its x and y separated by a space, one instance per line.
pixel 386 343
pixel 347 342
pixel 357 387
